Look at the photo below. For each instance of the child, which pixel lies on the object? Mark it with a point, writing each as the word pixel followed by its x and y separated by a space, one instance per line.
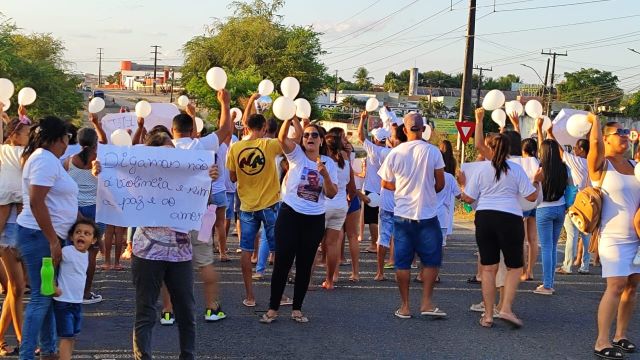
pixel 71 279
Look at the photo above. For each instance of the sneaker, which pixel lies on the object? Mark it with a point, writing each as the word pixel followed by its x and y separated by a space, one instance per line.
pixel 167 319
pixel 92 299
pixel 211 315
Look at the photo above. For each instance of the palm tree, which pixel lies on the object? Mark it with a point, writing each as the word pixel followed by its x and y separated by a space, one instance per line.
pixel 363 80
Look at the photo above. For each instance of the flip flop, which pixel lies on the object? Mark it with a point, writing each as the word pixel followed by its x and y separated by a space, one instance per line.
pixel 354 280
pixel 625 345
pixel 266 319
pixel 299 318
pixel 513 321
pixel 609 353
pixel 382 279
pixel 435 313
pixel 485 324
pixel 248 303
pixel 401 316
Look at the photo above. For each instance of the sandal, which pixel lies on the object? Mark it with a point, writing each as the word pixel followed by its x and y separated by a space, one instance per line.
pixel 609 353
pixel 6 350
pixel 299 318
pixel 435 313
pixel 398 314
pixel 248 303
pixel 266 319
pixel 624 345
pixel 484 323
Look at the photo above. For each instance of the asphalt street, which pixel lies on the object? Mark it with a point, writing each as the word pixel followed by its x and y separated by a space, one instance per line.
pixel 357 321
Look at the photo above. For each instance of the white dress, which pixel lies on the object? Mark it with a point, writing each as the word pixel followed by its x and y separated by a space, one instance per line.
pixel 618 239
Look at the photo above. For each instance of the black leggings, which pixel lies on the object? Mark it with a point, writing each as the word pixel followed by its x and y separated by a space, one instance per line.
pixel 297 236
pixel 500 231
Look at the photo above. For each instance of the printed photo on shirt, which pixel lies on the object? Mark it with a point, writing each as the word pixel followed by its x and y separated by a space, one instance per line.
pixel 310 185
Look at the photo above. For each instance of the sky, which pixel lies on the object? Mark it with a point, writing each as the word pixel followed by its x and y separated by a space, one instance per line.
pixel 381 35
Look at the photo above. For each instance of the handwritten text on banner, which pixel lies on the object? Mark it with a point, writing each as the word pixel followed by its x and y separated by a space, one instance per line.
pixel 153 186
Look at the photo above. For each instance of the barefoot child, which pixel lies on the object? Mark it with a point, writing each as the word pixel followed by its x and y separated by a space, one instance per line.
pixel 71 279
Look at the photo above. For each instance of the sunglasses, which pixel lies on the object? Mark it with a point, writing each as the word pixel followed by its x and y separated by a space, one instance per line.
pixel 314 135
pixel 620 132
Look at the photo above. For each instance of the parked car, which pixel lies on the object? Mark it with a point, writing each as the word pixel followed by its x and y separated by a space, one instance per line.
pixel 98 93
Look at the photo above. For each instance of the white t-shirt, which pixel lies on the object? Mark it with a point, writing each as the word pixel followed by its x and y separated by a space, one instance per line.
pixel 45 169
pixel 10 173
pixel 304 184
pixel 375 157
pixel 501 195
pixel 219 185
pixel 229 185
pixel 209 142
pixel 578 167
pixel 387 201
pixel 344 176
pixel 446 198
pixel 72 274
pixel 411 165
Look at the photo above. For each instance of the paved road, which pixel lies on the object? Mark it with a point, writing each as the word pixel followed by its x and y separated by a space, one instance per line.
pixel 356 320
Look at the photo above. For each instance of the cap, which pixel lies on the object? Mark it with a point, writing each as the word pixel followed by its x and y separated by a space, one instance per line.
pixel 413 122
pixel 381 134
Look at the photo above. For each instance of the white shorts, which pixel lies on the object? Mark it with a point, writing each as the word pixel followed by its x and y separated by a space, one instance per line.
pixel 334 218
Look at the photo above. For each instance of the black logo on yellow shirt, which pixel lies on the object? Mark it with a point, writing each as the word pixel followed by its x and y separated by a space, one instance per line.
pixel 251 161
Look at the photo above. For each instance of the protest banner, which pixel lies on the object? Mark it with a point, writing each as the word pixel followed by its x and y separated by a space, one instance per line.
pixel 161 114
pixel 153 186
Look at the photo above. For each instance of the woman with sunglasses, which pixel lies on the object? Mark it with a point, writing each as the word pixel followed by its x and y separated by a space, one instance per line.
pixel 311 179
pixel 16 137
pixel 618 240
pixel 50 199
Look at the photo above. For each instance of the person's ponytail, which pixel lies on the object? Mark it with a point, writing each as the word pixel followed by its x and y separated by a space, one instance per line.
pixel 500 146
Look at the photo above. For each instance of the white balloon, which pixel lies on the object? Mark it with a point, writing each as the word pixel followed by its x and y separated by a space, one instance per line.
pixel 374 200
pixel 216 78
pixel 284 108
pixel 143 109
pixel 546 124
pixel 636 171
pixel 426 134
pixel 7 104
pixel 121 137
pixel 533 108
pixel 578 126
pixel 183 100
pixel 290 87
pixel 493 100
pixel 96 105
pixel 372 105
pixel 265 88
pixel 303 108
pixel 6 88
pixel 199 124
pixel 499 117
pixel 514 106
pixel 384 115
pixel 26 96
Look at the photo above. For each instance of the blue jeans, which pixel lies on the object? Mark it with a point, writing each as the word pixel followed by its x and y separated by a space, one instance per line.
pixel 549 222
pixel 264 249
pixel 250 222
pixel 417 236
pixel 39 324
pixel 572 245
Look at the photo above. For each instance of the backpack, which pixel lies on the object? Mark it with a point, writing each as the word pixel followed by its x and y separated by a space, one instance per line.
pixel 586 210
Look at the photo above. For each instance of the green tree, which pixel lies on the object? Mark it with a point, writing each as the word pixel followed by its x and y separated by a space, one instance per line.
pixel 353 103
pixel 363 80
pixel 254 37
pixel 590 88
pixel 36 60
pixel 114 79
pixel 632 105
pixel 502 83
pixel 431 108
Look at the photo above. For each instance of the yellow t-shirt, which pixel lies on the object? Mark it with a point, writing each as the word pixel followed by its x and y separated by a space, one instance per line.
pixel 254 162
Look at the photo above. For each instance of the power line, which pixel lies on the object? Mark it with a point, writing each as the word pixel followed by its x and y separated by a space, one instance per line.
pixel 554 6
pixel 480 70
pixel 358 13
pixel 553 71
pixel 155 65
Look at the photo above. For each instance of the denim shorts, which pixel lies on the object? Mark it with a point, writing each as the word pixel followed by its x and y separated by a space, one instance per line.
pixel 231 204
pixel 423 237
pixel 529 213
pixel 9 237
pixel 386 228
pixel 250 222
pixel 68 318
pixel 218 199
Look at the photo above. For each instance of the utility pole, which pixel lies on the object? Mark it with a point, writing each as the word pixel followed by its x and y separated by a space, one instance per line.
pixel 480 69
pixel 173 78
pixel 155 65
pixel 335 90
pixel 465 101
pixel 100 66
pixel 553 72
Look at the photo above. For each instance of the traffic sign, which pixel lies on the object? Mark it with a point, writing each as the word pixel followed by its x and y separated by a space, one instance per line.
pixel 633 135
pixel 465 129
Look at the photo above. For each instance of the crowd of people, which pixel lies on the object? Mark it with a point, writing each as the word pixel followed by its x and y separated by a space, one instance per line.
pixel 298 193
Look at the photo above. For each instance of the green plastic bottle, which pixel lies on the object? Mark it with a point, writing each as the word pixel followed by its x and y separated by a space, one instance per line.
pixel 467 208
pixel 47 285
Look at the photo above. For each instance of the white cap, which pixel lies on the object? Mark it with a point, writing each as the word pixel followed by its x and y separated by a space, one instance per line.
pixel 381 134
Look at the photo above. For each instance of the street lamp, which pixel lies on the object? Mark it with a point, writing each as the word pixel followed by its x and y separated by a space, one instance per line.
pixel 534 70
